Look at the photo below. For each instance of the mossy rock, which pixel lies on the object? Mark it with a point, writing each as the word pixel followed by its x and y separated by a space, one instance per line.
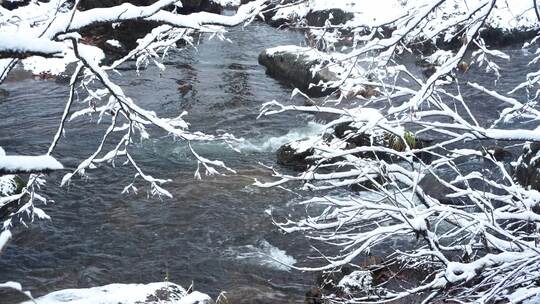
pixel 400 144
pixel 10 185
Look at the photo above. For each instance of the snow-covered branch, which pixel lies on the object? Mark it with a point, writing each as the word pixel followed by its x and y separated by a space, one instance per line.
pixel 55 29
pixel 409 159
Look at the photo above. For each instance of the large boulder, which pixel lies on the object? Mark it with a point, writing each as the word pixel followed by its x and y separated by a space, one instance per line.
pixel 297 65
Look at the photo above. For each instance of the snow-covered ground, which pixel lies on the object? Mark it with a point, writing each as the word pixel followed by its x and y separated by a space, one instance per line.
pixel 153 293
pixel 508 15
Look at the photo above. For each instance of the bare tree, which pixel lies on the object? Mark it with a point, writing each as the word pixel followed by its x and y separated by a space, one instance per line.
pixel 478 240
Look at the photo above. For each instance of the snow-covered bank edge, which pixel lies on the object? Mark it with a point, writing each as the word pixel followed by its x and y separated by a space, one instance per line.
pixel 510 22
pixel 507 15
pixel 152 293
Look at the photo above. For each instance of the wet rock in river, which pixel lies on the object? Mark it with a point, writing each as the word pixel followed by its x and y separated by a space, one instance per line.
pixel 363 279
pixel 527 170
pixel 184 87
pixel 295 155
pixel 300 154
pixel 499 154
pixel 314 17
pixel 499 37
pixel 350 134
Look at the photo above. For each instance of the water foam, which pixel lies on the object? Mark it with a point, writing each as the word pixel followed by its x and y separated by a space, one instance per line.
pixel 264 254
pixel 271 144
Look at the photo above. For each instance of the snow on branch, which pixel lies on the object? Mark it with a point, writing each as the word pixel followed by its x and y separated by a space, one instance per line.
pixel 53 29
pixel 17 46
pixel 17 164
pixel 415 163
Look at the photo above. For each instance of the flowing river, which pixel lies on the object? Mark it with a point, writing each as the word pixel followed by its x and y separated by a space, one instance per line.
pixel 215 232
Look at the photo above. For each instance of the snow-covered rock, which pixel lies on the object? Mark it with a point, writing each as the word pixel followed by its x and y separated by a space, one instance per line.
pixel 297 65
pixel 296 154
pixel 358 280
pixel 153 293
pixel 314 72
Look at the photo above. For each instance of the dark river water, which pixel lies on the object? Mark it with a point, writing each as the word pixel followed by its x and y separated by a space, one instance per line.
pixel 215 232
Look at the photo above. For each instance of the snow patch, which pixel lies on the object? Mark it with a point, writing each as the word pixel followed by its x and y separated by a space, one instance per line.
pixel 153 293
pixel 56 66
pixel 114 43
pixel 17 43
